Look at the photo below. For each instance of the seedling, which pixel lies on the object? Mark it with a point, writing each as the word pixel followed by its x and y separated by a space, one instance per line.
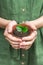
pixel 21 30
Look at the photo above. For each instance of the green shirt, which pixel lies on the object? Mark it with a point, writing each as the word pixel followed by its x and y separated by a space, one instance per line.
pixel 21 10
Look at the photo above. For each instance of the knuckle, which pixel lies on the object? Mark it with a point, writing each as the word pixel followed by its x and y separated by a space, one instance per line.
pixel 35 32
pixel 12 46
pixel 26 48
pixel 6 38
pixel 4 34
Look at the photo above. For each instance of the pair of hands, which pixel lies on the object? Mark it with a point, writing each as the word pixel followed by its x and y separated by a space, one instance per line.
pixel 25 42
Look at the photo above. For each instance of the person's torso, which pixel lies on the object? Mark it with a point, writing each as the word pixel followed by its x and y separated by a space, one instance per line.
pixel 21 10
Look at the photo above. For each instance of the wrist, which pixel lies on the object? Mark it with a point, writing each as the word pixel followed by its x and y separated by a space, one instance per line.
pixel 38 22
pixel 7 22
pixel 4 22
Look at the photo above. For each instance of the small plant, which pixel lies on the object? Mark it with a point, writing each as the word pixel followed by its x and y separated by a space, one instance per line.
pixel 21 30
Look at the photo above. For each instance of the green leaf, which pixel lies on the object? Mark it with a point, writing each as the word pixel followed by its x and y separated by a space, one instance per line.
pixel 19 28
pixel 25 29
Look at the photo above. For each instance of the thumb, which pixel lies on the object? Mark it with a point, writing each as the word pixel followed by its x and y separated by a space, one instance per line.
pixel 10 26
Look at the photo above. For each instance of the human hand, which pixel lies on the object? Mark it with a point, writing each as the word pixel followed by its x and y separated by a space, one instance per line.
pixel 14 41
pixel 28 40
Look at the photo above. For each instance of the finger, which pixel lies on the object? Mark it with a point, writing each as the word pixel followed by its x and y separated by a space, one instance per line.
pixel 22 46
pixel 16 46
pixel 10 36
pixel 30 37
pixel 10 26
pixel 27 43
pixel 27 47
pixel 13 44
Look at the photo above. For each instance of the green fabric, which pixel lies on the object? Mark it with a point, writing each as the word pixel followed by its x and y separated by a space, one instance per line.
pixel 13 9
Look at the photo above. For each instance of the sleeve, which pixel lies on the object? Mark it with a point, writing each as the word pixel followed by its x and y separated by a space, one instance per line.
pixel 41 14
pixel 41 11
